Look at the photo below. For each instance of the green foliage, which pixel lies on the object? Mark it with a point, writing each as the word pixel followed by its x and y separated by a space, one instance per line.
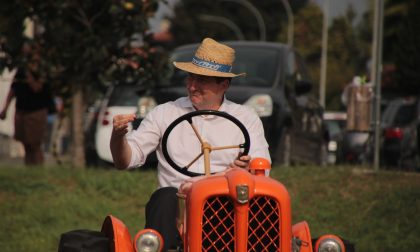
pixel 345 59
pixel 400 46
pixel 395 12
pixel 378 211
pixel 86 44
pixel 308 33
pixel 307 39
pixel 407 56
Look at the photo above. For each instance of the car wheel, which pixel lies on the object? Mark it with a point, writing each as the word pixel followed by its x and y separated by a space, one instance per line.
pixel 411 163
pixel 283 151
pixel 323 154
pixel 84 241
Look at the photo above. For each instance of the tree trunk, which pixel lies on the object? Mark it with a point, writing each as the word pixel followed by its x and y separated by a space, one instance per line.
pixel 78 157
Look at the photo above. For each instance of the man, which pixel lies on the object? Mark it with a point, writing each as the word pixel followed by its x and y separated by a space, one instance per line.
pixel 209 78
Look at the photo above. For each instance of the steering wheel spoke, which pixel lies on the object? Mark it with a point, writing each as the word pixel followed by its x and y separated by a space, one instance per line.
pixel 195 159
pixel 227 147
pixel 196 132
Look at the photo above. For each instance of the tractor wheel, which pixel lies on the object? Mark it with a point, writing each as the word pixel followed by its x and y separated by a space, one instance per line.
pixel 83 241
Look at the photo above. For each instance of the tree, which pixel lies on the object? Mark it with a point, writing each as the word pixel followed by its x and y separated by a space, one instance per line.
pixel 400 46
pixel 345 58
pixel 407 56
pixel 83 44
pixel 307 37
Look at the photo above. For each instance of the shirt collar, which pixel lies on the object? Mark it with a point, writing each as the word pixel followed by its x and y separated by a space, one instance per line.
pixel 186 103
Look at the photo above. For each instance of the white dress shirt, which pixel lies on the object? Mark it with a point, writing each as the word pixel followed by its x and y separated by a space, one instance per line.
pixel 183 144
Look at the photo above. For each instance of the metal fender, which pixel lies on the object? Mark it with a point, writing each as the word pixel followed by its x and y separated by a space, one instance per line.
pixel 117 232
pixel 302 236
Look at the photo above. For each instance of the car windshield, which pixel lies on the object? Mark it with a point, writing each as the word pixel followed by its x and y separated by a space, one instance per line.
pixel 334 126
pixel 399 115
pixel 405 115
pixel 123 96
pixel 259 64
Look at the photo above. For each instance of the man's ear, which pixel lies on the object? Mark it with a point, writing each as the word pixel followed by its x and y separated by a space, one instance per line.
pixel 226 83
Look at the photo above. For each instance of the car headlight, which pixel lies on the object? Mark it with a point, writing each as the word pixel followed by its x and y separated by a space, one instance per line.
pixel 262 104
pixel 144 105
pixel 148 240
pixel 329 243
pixel 332 146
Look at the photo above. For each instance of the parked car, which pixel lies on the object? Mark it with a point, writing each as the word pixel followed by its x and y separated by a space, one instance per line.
pixel 277 86
pixel 335 124
pixel 119 99
pixel 351 147
pixel 400 139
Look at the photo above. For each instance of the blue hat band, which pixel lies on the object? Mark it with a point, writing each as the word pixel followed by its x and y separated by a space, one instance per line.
pixel 211 65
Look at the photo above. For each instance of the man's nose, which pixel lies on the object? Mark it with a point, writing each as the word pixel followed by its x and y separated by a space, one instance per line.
pixel 191 83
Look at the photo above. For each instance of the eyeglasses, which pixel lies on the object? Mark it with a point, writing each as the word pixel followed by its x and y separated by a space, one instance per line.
pixel 200 78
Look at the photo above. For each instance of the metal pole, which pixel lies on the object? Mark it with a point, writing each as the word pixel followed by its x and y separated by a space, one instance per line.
pixel 225 21
pixel 290 22
pixel 257 14
pixel 323 75
pixel 376 75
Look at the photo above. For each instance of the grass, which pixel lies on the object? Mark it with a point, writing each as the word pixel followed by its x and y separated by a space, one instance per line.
pixel 378 211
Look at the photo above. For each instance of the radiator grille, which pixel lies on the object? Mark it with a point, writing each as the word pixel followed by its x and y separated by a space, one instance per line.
pixel 218 225
pixel 218 233
pixel 263 229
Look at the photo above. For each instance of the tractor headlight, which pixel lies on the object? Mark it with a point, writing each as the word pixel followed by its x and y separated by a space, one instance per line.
pixel 148 240
pixel 262 104
pixel 144 105
pixel 329 243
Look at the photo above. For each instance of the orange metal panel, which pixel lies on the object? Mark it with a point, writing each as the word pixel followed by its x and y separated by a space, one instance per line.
pixel 225 184
pixel 118 232
pixel 301 230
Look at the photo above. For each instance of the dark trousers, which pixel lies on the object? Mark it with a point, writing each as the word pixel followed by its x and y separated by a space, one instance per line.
pixel 161 212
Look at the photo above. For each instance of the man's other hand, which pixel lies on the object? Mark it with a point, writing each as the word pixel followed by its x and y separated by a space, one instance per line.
pixel 120 124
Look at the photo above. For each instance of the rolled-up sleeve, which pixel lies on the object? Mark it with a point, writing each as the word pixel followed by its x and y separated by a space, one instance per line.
pixel 143 140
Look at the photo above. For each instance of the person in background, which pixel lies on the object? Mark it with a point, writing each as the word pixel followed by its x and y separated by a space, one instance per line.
pixel 33 98
pixel 209 78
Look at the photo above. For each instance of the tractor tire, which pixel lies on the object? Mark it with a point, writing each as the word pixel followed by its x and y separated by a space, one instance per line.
pixel 84 241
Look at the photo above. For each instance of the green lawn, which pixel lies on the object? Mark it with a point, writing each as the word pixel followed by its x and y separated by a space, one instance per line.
pixel 376 211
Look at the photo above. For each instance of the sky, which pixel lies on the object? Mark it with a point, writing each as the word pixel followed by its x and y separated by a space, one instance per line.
pixel 336 8
pixel 339 7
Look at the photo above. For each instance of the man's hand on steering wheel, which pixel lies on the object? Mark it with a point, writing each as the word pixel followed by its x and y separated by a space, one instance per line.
pixel 241 162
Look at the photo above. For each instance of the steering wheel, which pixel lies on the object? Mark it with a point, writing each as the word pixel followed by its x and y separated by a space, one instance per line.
pixel 206 148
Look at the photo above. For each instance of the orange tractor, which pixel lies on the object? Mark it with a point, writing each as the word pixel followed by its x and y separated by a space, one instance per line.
pixel 236 210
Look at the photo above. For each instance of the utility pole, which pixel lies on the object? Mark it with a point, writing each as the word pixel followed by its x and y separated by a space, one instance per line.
pixel 323 75
pixel 222 20
pixel 290 22
pixel 376 75
pixel 257 14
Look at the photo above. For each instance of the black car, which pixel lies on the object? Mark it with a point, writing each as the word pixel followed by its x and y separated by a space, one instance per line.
pixel 277 86
pixel 400 125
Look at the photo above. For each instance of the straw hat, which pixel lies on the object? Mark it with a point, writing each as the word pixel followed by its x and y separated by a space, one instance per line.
pixel 211 59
